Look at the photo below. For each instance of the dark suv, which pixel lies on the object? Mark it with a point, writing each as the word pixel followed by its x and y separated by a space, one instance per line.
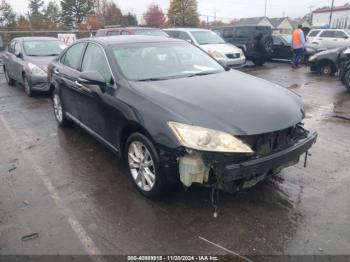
pixel 256 41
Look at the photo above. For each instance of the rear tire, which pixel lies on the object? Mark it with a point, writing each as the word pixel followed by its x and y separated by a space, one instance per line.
pixel 9 80
pixel 59 112
pixel 144 166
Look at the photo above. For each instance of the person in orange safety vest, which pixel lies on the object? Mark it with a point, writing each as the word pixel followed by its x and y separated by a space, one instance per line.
pixel 298 46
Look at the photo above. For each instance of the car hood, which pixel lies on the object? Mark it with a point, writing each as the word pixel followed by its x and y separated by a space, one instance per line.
pixel 330 54
pixel 232 102
pixel 40 61
pixel 222 48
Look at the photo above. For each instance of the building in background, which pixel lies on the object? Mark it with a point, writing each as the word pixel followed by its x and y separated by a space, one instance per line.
pixel 281 25
pixel 340 17
pixel 254 21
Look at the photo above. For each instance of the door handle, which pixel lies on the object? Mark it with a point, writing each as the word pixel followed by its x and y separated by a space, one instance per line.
pixel 78 84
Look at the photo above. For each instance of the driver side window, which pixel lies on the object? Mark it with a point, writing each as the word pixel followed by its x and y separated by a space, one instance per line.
pixel 95 60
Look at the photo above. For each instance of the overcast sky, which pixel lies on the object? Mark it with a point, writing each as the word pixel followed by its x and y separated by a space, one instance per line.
pixel 225 9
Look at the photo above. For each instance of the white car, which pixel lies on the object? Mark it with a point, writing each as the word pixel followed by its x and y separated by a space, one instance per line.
pixel 329 38
pixel 228 54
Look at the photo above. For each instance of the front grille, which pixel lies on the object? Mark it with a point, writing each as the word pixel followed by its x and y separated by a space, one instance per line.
pixel 233 56
pixel 268 143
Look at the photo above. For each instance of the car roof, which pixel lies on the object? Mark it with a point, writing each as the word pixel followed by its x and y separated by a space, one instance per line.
pixel 186 29
pixel 23 38
pixel 130 39
pixel 236 26
pixel 129 28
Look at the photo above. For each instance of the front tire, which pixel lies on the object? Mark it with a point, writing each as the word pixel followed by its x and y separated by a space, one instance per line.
pixel 259 61
pixel 9 80
pixel 347 80
pixel 59 112
pixel 144 166
pixel 326 69
pixel 27 87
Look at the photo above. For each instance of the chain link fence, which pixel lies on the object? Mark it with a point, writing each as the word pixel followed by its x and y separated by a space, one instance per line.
pixel 7 36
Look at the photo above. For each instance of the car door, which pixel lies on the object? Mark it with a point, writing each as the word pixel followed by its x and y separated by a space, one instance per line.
pixel 10 59
pixel 326 38
pixel 341 39
pixel 67 74
pixel 92 98
pixel 17 62
pixel 281 49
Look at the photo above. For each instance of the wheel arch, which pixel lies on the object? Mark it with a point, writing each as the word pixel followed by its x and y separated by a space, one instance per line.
pixel 127 130
pixel 327 61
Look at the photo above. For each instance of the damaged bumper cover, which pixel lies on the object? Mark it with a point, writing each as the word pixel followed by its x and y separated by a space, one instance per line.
pixel 232 177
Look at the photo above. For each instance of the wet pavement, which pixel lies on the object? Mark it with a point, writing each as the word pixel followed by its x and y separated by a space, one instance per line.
pixel 61 192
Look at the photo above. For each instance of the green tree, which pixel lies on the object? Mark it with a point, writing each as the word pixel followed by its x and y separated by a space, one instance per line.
pixel 74 12
pixel 112 15
pixel 129 20
pixel 7 15
pixel 35 7
pixel 52 13
pixel 183 13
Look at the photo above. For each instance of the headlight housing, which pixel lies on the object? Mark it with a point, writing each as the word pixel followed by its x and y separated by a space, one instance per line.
pixel 216 54
pixel 312 58
pixel 204 139
pixel 36 70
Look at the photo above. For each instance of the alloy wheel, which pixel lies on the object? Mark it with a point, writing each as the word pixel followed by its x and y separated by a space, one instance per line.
pixel 57 106
pixel 141 166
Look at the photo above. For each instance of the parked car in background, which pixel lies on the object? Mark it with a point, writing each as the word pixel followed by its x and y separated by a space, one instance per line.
pixel 227 54
pixel 255 41
pixel 282 48
pixel 329 38
pixel 25 60
pixel 109 31
pixel 175 114
pixel 325 63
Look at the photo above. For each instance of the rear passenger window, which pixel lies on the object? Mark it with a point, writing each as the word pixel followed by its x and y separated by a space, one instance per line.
pixel 73 55
pixel 125 33
pixel 314 33
pixel 115 32
pixel 228 32
pixel 328 34
pixel 11 47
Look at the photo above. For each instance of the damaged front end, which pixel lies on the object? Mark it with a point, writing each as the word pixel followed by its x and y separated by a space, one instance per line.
pixel 232 172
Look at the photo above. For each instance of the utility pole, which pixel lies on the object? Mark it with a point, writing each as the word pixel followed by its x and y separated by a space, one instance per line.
pixel 265 8
pixel 330 16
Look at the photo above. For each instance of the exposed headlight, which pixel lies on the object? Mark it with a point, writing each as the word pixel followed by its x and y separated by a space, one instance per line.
pixel 36 70
pixel 205 139
pixel 312 58
pixel 216 54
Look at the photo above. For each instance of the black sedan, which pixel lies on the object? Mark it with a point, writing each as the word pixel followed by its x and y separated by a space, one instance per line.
pixel 25 60
pixel 282 49
pixel 175 114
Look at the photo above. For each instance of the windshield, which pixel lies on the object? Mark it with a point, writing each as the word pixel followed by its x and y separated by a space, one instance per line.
pixel 287 38
pixel 43 47
pixel 154 32
pixel 160 61
pixel 207 38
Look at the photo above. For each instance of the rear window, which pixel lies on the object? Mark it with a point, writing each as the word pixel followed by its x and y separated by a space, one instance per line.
pixel 314 33
pixel 153 32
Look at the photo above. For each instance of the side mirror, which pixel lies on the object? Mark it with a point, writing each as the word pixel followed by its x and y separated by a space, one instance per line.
pixel 190 41
pixel 346 37
pixel 19 54
pixel 93 78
